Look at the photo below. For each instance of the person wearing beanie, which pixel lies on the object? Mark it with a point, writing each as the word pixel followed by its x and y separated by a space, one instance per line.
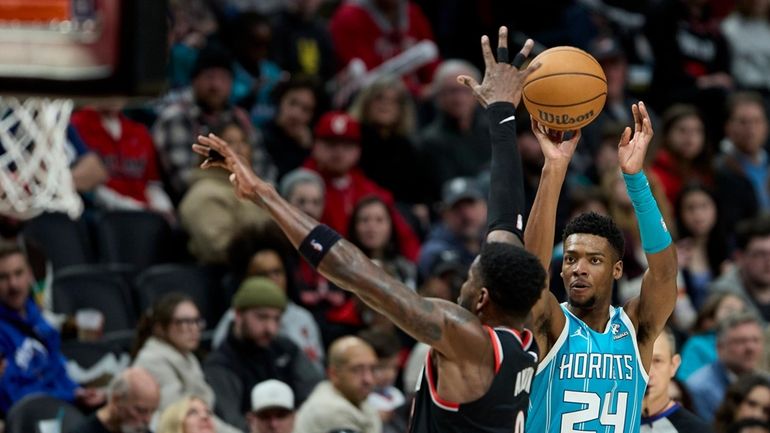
pixel 202 108
pixel 253 352
pixel 265 254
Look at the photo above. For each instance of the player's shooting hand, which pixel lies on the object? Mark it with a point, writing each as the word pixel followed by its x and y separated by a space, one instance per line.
pixel 502 81
pixel 555 148
pixel 633 149
pixel 219 153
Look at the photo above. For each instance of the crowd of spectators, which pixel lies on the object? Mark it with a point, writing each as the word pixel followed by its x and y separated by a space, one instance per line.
pixel 396 160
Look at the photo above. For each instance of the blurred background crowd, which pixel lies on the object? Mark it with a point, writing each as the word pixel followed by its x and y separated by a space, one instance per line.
pixel 172 304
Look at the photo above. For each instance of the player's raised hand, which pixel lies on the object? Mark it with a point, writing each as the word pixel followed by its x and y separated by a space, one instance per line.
pixel 502 81
pixel 555 148
pixel 633 149
pixel 219 153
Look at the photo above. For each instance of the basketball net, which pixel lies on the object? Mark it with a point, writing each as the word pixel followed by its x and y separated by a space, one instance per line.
pixel 35 175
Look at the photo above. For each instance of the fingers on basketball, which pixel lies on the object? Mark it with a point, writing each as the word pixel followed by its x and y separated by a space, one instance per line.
pixel 576 135
pixel 535 126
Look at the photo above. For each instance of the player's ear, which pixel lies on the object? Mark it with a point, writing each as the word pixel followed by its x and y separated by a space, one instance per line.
pixel 483 299
pixel 617 270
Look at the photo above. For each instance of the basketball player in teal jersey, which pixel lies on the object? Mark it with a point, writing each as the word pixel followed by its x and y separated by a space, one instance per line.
pixel 593 371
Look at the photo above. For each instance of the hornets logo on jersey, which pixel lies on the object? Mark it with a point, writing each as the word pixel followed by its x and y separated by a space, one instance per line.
pixel 589 381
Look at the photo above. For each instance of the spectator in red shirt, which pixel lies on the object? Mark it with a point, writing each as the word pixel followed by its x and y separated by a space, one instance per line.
pixel 335 156
pixel 128 152
pixel 377 30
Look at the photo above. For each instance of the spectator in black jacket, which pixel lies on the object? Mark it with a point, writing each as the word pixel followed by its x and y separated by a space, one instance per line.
pixel 388 155
pixel 253 352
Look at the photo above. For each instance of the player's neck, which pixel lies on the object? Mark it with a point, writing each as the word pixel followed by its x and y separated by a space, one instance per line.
pixel 596 317
pixel 494 320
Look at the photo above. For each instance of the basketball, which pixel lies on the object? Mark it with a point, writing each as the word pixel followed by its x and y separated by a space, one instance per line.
pixel 568 91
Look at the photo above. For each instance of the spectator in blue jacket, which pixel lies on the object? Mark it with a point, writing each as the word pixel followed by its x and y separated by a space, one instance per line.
pixel 29 346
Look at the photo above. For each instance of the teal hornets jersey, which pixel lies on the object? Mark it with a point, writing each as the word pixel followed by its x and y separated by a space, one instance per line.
pixel 589 381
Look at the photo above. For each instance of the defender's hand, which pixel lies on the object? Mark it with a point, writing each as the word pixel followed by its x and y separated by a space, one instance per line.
pixel 502 81
pixel 219 154
pixel 632 150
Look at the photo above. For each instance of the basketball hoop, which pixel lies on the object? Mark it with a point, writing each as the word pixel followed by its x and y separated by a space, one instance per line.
pixel 34 169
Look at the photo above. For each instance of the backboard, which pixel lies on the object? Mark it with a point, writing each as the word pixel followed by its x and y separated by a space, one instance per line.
pixel 82 48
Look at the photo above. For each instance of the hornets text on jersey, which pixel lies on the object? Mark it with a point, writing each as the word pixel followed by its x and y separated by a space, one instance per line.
pixel 590 381
pixel 503 409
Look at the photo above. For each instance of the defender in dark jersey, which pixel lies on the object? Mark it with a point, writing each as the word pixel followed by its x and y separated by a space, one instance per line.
pixel 481 362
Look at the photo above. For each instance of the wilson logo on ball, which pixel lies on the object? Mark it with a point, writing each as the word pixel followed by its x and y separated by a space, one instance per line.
pixel 568 91
pixel 564 119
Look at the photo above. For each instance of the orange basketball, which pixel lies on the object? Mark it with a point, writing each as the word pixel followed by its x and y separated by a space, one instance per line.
pixel 568 91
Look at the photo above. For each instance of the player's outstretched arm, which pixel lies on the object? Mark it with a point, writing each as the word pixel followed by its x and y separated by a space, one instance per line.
pixel 451 330
pixel 500 93
pixel 539 235
pixel 655 303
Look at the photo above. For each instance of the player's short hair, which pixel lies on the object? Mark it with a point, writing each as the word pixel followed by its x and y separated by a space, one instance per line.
pixel 599 225
pixel 513 276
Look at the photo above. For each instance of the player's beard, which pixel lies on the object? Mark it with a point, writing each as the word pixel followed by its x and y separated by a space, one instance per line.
pixel 584 305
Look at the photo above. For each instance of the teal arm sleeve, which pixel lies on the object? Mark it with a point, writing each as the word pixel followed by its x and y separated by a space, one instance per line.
pixel 652 227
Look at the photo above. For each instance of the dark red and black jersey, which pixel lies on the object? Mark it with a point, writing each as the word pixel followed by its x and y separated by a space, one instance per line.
pixel 503 409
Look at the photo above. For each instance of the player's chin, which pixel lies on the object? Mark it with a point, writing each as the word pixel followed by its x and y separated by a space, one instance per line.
pixel 581 300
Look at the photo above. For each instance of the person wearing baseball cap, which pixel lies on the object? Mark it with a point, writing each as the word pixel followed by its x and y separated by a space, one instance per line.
pixel 254 352
pixel 335 156
pixel 464 216
pixel 272 408
pixel 202 108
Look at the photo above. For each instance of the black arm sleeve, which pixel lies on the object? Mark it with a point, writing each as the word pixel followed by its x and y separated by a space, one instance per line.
pixel 506 192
